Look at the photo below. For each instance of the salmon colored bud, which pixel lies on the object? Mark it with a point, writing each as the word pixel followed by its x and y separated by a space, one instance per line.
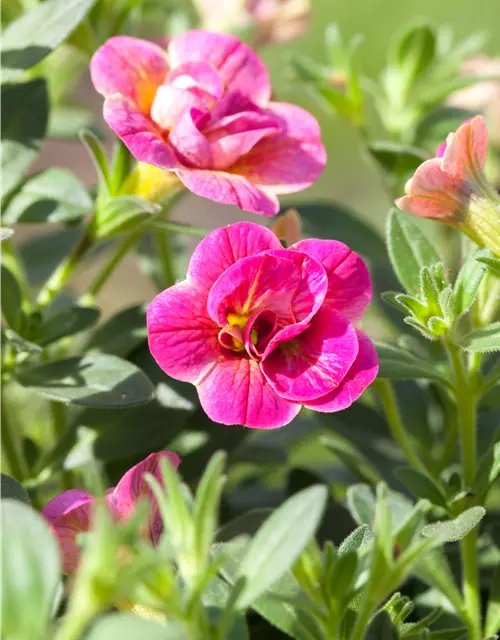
pixel 453 189
pixel 288 227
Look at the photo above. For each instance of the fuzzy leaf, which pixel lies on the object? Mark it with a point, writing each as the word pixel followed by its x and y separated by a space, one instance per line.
pixel 454 530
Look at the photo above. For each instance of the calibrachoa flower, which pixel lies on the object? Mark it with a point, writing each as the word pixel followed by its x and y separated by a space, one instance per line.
pixel 70 513
pixel 202 108
pixel 453 188
pixel 261 330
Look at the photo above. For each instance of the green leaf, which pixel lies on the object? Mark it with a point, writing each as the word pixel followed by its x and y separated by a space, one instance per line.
pixel 11 489
pixel 398 364
pixel 482 340
pixel 409 250
pixel 352 459
pixel 55 195
pixel 381 628
pixel 493 264
pixel 11 296
pixel 67 322
pixel 25 112
pixel 422 486
pixel 66 121
pixel 93 380
pixel 454 530
pixel 129 627
pixel 414 51
pixel 468 281
pixel 246 524
pixel 6 233
pixel 98 155
pixel 396 158
pixel 36 33
pixel 356 539
pixel 459 633
pixel 279 542
pixel 361 503
pixel 30 572
pixel 122 213
pixel 121 333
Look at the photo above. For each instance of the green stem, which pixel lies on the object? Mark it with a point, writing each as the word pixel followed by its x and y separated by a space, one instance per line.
pixel 389 403
pixel 59 416
pixel 466 403
pixel 121 251
pixel 186 229
pixel 13 454
pixel 164 252
pixel 63 272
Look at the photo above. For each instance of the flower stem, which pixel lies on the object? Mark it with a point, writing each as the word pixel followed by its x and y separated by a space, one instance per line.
pixel 13 454
pixel 123 248
pixel 63 272
pixel 58 412
pixel 389 403
pixel 466 403
pixel 164 253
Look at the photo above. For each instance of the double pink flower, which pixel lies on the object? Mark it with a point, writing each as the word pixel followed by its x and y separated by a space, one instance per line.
pixel 261 330
pixel 202 108
pixel 70 513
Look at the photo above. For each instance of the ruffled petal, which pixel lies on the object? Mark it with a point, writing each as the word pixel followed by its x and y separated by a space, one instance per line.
pixel 182 338
pixel 133 486
pixel 228 188
pixel 349 283
pixel 236 135
pixel 199 78
pixel 131 67
pixel 316 361
pixel 189 142
pixel 170 103
pixel 251 401
pixel 69 514
pixel 362 373
pixel 290 161
pixel 466 149
pixel 139 133
pixel 290 284
pixel 225 246
pixel 239 66
pixel 434 193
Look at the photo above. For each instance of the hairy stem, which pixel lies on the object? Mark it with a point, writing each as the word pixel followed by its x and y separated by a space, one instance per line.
pixel 466 404
pixel 387 397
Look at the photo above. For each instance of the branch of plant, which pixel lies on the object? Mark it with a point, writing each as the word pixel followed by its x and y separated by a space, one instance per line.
pixel 466 400
pixel 388 399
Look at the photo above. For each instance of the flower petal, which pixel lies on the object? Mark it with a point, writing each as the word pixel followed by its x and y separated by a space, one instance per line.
pixel 236 135
pixel 466 149
pixel 139 133
pixel 69 514
pixel 182 338
pixel 362 373
pixel 199 78
pixel 133 486
pixel 189 142
pixel 170 103
pixel 131 67
pixel 290 161
pixel 225 246
pixel 65 502
pixel 251 402
pixel 316 361
pixel 349 283
pixel 434 193
pixel 228 188
pixel 290 284
pixel 239 66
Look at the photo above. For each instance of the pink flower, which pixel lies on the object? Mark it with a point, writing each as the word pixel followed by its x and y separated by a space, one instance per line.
pixel 454 189
pixel 70 513
pixel 442 147
pixel 261 330
pixel 202 109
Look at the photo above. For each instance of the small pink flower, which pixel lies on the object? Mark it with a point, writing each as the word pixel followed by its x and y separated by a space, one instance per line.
pixel 443 186
pixel 70 513
pixel 202 108
pixel 261 330
pixel 442 147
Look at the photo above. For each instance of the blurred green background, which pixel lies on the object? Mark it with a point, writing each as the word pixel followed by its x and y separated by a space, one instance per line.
pixel 351 177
